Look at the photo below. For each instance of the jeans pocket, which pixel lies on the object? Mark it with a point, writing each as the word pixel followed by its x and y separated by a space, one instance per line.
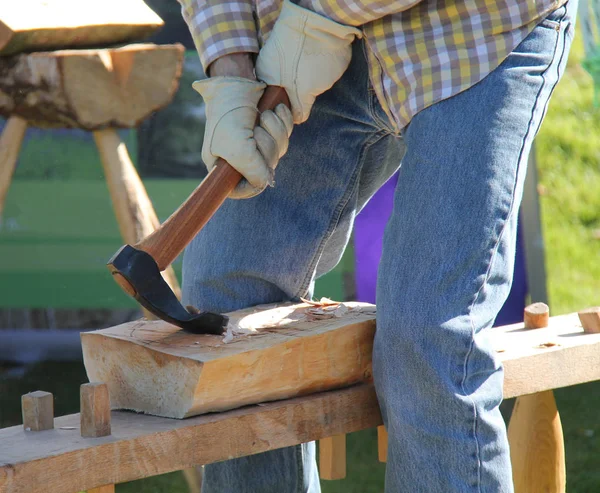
pixel 554 18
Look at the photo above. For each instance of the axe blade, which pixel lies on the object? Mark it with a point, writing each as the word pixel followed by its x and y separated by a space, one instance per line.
pixel 138 274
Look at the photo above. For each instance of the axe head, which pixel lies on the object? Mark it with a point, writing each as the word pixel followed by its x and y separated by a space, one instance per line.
pixel 139 276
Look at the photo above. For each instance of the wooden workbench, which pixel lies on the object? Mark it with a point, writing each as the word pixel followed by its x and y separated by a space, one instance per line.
pixel 61 461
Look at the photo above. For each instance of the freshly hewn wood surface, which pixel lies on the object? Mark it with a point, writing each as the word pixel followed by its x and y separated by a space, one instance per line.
pixel 90 89
pixel 332 457
pixel 61 461
pixel 95 410
pixel 10 144
pixel 549 358
pixel 537 449
pixel 30 25
pixel 133 209
pixel 38 411
pixel 154 367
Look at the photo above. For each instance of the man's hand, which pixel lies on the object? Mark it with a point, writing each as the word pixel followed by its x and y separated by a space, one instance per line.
pixel 231 96
pixel 306 54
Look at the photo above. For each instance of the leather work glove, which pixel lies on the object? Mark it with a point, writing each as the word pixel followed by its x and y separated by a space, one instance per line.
pixel 253 148
pixel 306 54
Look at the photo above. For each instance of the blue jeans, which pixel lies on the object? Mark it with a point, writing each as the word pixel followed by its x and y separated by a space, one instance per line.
pixel 445 271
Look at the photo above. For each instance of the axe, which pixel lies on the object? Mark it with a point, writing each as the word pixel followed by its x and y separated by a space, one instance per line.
pixel 137 268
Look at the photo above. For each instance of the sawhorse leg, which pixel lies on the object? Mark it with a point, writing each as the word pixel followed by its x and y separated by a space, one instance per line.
pixel 10 145
pixel 133 209
pixel 537 449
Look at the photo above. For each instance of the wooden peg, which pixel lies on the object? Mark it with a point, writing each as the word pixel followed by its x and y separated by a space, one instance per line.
pixel 590 319
pixel 382 443
pixel 537 450
pixel 95 410
pixel 38 411
pixel 536 316
pixel 332 457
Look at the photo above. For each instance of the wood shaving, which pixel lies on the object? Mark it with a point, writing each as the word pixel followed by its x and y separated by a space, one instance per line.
pixel 321 302
pixel 548 344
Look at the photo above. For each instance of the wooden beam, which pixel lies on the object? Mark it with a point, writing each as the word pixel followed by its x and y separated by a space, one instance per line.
pixel 537 449
pixel 332 457
pixel 95 410
pixel 90 89
pixel 42 25
pixel 10 145
pixel 154 367
pixel 142 446
pixel 38 411
pixel 559 355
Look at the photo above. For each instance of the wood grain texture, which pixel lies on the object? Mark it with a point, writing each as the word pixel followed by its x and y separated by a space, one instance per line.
pixel 10 145
pixel 90 89
pixel 142 446
pixel 133 209
pixel 154 367
pixel 536 316
pixel 382 444
pixel 332 457
pixel 590 319
pixel 548 358
pixel 536 445
pixel 38 411
pixel 95 410
pixel 169 240
pixel 42 25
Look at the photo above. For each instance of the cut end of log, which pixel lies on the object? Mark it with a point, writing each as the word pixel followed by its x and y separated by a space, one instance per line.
pixel 38 411
pixel 536 316
pixel 590 319
pixel 90 89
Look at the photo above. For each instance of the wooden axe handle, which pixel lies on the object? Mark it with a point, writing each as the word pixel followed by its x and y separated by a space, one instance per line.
pixel 172 236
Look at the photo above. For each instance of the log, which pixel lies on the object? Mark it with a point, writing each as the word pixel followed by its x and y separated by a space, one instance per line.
pixel 90 89
pixel 155 368
pixel 36 25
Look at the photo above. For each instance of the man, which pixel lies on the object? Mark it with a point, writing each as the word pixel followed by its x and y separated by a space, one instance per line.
pixel 451 92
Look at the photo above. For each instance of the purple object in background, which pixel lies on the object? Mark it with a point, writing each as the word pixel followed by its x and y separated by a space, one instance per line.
pixel 368 238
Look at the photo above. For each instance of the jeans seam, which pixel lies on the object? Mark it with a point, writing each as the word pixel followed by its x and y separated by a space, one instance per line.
pixel 300 466
pixel 497 242
pixel 336 215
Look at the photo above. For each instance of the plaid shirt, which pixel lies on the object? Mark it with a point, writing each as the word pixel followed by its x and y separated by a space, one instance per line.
pixel 419 51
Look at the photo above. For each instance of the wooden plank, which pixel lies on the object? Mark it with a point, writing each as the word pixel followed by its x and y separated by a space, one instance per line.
pixel 332 457
pixel 90 89
pixel 559 355
pixel 42 25
pixel 537 448
pixel 95 410
pixel 154 367
pixel 108 488
pixel 142 446
pixel 38 411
